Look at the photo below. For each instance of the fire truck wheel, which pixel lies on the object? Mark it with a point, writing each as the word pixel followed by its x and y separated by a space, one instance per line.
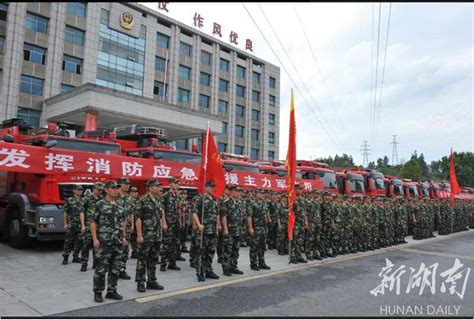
pixel 17 233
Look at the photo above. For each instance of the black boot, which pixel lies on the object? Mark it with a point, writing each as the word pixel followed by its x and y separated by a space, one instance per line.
pixel 124 275
pixel 76 260
pixel 65 260
pixel 98 297
pixel 84 267
pixel 113 295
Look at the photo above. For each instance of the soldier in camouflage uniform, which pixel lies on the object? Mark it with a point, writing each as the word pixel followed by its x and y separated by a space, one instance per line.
pixel 336 223
pixel 170 252
pixel 220 238
pixel 301 223
pixel 445 218
pixel 86 219
pixel 133 236
pixel 374 223
pixel 347 209
pixel 149 218
pixel 184 216
pixel 327 221
pixel 402 221
pixel 125 200
pixel 257 215
pixel 108 231
pixel 273 225
pixel 282 221
pixel 357 226
pixel 314 228
pixel 366 226
pixel 230 220
pixel 73 207
pixel 208 226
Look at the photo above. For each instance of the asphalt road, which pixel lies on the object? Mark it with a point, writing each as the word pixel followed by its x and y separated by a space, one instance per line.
pixel 330 288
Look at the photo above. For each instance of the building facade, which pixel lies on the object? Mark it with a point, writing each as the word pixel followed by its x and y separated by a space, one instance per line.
pixel 130 64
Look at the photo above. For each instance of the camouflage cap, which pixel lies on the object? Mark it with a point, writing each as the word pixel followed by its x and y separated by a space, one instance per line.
pixel 77 187
pixel 133 189
pixel 345 196
pixel 174 180
pixel 111 184
pixel 123 180
pixel 234 188
pixel 152 182
pixel 99 185
pixel 210 184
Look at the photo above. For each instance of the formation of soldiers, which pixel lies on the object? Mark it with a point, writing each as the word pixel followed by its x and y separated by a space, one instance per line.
pixel 156 225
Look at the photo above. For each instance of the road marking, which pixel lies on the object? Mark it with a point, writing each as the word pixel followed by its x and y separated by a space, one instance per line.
pixel 434 253
pixel 252 277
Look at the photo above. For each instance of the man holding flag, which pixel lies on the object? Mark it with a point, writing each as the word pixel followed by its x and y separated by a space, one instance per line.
pixel 205 211
pixel 291 166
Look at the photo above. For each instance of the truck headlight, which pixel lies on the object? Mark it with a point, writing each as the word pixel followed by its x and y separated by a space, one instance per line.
pixel 46 220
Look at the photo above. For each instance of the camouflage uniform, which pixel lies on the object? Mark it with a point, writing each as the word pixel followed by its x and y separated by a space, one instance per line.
pixel 128 205
pixel 209 235
pixel 283 234
pixel 299 208
pixel 149 212
pixel 257 211
pixel 220 238
pixel 171 249
pixel 183 233
pixel 73 238
pixel 346 224
pixel 314 230
pixel 133 235
pixel 231 209
pixel 89 209
pixel 109 220
pixel 272 227
pixel 374 224
pixel 326 219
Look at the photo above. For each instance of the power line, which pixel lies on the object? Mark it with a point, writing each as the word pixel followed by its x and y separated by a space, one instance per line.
pixel 365 153
pixel 290 77
pixel 319 69
pixel 394 151
pixel 383 75
pixel 372 74
pixel 376 73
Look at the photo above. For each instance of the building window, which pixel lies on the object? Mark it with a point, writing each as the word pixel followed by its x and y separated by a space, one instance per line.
pixel 31 85
pixel 223 106
pixel 255 96
pixel 29 115
pixel 224 65
pixel 240 71
pixel 240 110
pixel 240 90
pixel 271 138
pixel 271 100
pixel 36 23
pixel 185 49
pixel 272 82
pixel 77 8
pixel 34 54
pixel 121 59
pixel 183 96
pixel 271 155
pixel 239 150
pixel 255 115
pixel 159 88
pixel 239 131
pixel 256 77
pixel 3 11
pixel 184 72
pixel 205 79
pixel 2 45
pixel 222 147
pixel 204 100
pixel 271 119
pixel 66 88
pixel 160 64
pixel 181 144
pixel 162 41
pixel 206 57
pixel 74 35
pixel 223 85
pixel 224 127
pixel 72 64
pixel 255 134
pixel 254 154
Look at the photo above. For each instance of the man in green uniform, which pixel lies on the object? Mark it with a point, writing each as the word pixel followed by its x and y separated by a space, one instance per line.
pixel 257 216
pixel 133 236
pixel 301 223
pixel 86 219
pixel 184 216
pixel 125 200
pixel 108 231
pixel 73 207
pixel 282 221
pixel 149 217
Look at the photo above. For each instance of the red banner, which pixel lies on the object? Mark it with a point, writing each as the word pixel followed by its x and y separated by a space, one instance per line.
pixel 40 160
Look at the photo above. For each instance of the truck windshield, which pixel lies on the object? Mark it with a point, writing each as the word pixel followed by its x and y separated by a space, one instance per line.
pixel 413 191
pixel 174 156
pixel 398 189
pixel 379 183
pixel 328 178
pixel 281 172
pixel 238 167
pixel 356 186
pixel 85 145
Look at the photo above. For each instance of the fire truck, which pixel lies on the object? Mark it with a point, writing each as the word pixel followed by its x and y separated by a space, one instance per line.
pixel 31 205
pixel 393 187
pixel 349 181
pixel 410 188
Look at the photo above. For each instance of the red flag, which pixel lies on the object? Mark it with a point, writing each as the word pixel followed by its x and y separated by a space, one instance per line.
pixel 211 167
pixel 291 166
pixel 455 189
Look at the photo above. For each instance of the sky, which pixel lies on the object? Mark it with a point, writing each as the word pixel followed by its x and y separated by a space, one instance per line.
pixel 424 94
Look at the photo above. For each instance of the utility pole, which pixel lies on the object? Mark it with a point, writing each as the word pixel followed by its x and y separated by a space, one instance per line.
pixel 394 151
pixel 365 153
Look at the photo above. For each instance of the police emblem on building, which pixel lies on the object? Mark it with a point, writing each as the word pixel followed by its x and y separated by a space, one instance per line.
pixel 126 20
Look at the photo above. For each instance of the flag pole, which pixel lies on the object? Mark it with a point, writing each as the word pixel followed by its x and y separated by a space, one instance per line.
pixel 202 208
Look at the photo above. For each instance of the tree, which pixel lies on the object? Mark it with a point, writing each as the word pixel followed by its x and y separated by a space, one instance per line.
pixel 464 164
pixel 411 170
